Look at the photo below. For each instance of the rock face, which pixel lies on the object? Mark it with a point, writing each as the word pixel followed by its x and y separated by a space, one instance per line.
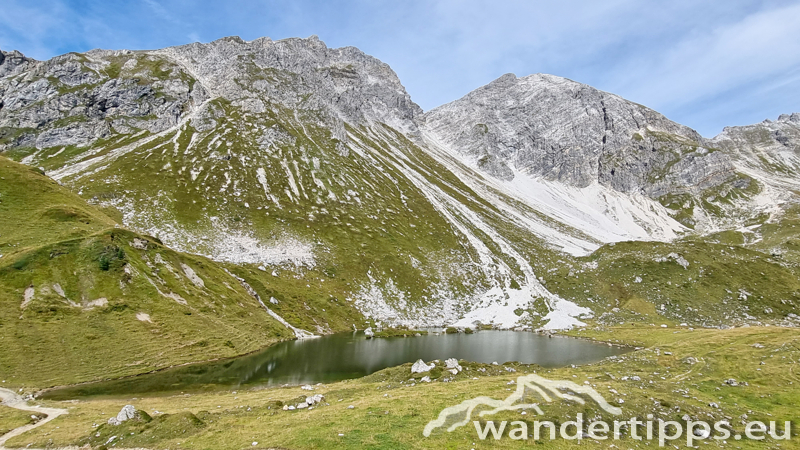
pixel 12 63
pixel 770 147
pixel 75 99
pixel 301 74
pixel 552 127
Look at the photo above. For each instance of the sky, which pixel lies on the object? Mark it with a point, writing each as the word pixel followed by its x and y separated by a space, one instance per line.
pixel 704 63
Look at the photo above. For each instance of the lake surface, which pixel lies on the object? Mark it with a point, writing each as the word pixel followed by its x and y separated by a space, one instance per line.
pixel 347 355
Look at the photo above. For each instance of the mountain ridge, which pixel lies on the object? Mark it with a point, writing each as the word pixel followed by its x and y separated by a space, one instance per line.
pixel 289 160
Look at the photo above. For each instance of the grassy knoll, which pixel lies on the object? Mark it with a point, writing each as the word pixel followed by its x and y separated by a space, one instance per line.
pixel 83 299
pixel 680 372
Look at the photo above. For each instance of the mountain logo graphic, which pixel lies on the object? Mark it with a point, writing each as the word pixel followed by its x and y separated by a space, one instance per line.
pixel 457 416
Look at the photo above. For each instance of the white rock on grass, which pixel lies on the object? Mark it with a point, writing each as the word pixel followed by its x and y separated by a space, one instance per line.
pixel 314 399
pixel 420 367
pixel 128 412
pixel 452 365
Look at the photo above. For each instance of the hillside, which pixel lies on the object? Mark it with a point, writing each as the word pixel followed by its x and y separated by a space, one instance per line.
pixel 82 298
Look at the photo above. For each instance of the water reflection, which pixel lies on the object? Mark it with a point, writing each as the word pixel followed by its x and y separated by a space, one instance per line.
pixel 349 355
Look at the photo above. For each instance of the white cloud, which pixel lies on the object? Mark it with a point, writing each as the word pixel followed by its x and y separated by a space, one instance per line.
pixel 761 47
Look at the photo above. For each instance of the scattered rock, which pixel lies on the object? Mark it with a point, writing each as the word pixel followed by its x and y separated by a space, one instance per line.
pixel 143 317
pixel 100 302
pixel 59 290
pixel 702 433
pixel 425 379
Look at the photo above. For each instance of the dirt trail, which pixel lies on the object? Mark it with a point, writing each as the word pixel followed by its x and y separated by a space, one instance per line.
pixel 12 400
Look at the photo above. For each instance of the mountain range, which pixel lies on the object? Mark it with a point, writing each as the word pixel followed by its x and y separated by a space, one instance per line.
pixel 222 196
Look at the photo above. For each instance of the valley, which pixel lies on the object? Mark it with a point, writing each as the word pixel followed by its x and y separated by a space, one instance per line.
pixel 198 203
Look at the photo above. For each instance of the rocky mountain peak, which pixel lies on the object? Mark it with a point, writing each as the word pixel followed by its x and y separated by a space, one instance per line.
pixel 555 128
pixel 75 99
pixel 13 62
pixel 300 74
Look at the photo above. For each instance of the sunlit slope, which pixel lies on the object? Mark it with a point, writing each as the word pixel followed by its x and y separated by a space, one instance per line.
pixel 81 299
pixel 35 210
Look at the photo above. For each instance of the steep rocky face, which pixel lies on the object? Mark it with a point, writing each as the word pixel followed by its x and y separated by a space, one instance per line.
pixel 13 62
pixel 770 148
pixel 76 99
pixel 551 127
pixel 343 84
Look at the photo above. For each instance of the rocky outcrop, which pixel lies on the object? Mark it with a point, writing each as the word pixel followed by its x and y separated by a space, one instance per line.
pixel 14 62
pixel 75 99
pixel 770 147
pixel 342 84
pixel 551 127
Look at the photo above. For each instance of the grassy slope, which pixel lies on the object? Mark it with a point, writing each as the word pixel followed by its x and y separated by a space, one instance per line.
pixel 721 285
pixel 35 210
pixel 13 418
pixel 58 339
pixel 389 414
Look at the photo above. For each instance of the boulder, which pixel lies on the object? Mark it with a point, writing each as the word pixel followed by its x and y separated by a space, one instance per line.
pixel 128 412
pixel 314 399
pixel 420 367
pixel 451 364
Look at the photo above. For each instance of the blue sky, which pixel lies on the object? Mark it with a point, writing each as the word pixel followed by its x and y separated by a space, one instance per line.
pixel 703 63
